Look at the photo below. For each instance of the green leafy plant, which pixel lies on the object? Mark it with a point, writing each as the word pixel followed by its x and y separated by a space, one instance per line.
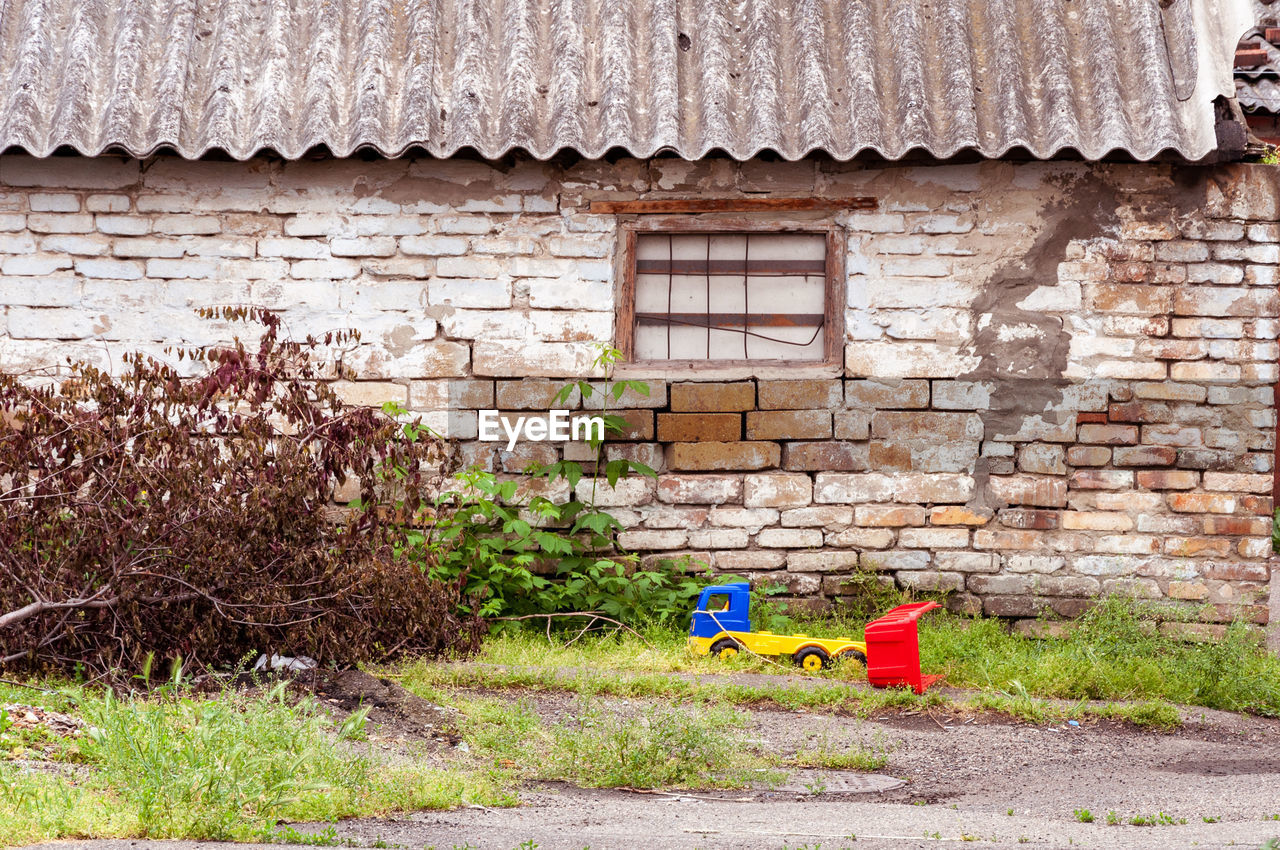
pixel 522 553
pixel 1084 816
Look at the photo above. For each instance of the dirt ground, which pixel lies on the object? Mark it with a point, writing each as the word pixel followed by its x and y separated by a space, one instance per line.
pixel 981 780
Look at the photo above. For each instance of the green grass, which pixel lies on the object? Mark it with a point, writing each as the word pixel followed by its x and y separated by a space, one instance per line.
pixel 593 746
pixel 222 767
pixel 1115 652
pixel 833 756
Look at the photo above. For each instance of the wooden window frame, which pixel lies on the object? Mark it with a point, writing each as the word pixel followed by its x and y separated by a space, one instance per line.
pixel 832 362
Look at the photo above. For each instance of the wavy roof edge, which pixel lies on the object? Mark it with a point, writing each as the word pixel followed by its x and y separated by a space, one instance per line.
pixel 243 78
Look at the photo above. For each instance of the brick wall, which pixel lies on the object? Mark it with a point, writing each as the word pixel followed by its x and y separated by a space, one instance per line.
pixel 1058 376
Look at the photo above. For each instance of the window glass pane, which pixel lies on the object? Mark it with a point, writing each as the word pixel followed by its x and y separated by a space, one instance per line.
pixel 730 296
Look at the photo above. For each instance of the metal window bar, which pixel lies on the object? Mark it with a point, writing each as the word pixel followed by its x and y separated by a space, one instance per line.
pixel 740 323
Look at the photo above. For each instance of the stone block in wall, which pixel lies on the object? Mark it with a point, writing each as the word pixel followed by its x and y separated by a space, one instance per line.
pixel 953 537
pixel 957 515
pixel 674 517
pixel 932 581
pixel 852 425
pixel 967 562
pixel 370 393
pixel 889 516
pixel 719 538
pixel 751 561
pixel 987 538
pixel 789 425
pixel 712 397
pixel 531 360
pixel 749 518
pixel 1043 459
pixel 860 538
pixel 525 455
pixel 822 562
pixel 1101 479
pixel 723 456
pixel 627 492
pixel 700 489
pixel 700 427
pixel 896 559
pixel 828 517
pixel 1167 479
pixel 598 398
pixel 1027 490
pixel 789 538
pixel 815 394
pixel 826 456
pixel 1030 518
pixel 1217 503
pixel 868 394
pixel 940 488
pixel 852 488
pixel 459 394
pixel 777 490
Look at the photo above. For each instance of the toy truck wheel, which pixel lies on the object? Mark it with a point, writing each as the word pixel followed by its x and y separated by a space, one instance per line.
pixel 727 648
pixel 813 658
pixel 857 656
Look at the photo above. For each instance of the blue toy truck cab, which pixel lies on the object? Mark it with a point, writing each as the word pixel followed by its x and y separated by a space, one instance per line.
pixel 731 604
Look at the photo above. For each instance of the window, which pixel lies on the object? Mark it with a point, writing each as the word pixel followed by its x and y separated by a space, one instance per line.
pixel 696 295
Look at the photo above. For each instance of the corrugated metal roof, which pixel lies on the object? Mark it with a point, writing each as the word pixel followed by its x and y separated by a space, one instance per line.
pixel 1258 87
pixel 794 76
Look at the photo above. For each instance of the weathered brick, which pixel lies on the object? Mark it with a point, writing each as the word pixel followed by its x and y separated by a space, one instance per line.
pixel 1101 479
pixel 789 425
pixel 700 489
pixel 821 562
pixel 532 394
pixel 1025 490
pixel 941 488
pixel 889 516
pixel 789 538
pixel 1043 458
pixel 626 493
pixel 896 559
pixel 825 456
pixel 777 490
pixel 1236 525
pixel 645 540
pixel 750 561
pixel 1225 301
pixel 829 517
pixel 1109 435
pixel 871 395
pixel 1167 479
pixel 1172 435
pixel 988 538
pixel 726 457
pixel 820 393
pixel 661 516
pixel 1216 503
pixel 370 393
pixel 1029 519
pixel 1001 584
pixel 1129 298
pixel 699 427
pixel 750 518
pixel 1012 606
pixel 954 537
pixel 1097 521
pixel 1190 547
pixel 967 562
pixel 1127 544
pixel 931 425
pixel 1237 482
pixel 719 538
pixel 1032 563
pixel 957 515
pixel 711 398
pixel 851 488
pixel 932 581
pixel 1145 455
pixel 1088 455
pixel 852 425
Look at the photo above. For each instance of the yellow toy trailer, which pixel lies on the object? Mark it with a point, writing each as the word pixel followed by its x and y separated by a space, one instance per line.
pixel 722 627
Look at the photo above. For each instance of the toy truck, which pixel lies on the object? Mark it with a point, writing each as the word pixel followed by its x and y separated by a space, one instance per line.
pixel 890 648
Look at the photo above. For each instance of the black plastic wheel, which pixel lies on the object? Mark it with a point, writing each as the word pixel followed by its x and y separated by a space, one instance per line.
pixel 859 657
pixel 725 648
pixel 813 658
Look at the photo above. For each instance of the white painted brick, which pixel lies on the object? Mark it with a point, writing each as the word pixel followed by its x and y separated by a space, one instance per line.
pixel 590 223
pixel 87 245
pixel 557 294
pixel 877 222
pixel 124 225
pixel 398 267
pixel 188 225
pixel 469 267
pixel 532 360
pixel 917 267
pixel 217 246
pixel 60 223
pixel 557 326
pixel 319 224
pixel 110 269
pixel 471 224
pixel 362 246
pixel 570 269
pixel 333 269
pixel 539 204
pixel 34 264
pixel 55 291
pixel 12 222
pixel 433 246
pixel 147 247
pixel 108 203
pixel 389 225
pixel 789 538
pixel 485 324
pixel 462 292
pixel 492 204
pixel 1214 273
pixel 504 245
pixel 198 269
pixel 382 295
pixel 49 202
pixel 294 249
pixel 76 172
pixel 568 246
pixel 49 323
pixel 942 223
pixel 17 243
